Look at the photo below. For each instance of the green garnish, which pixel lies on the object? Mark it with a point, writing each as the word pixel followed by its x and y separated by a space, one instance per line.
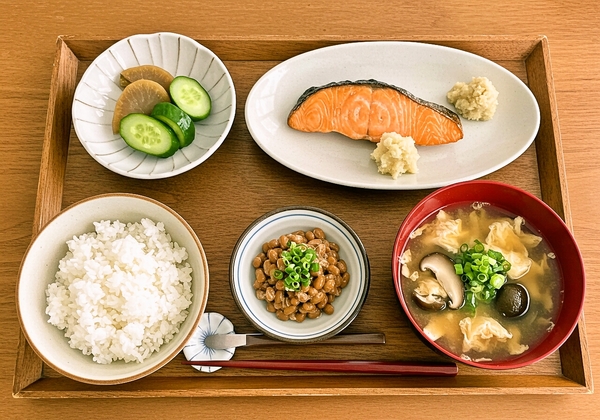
pixel 482 272
pixel 299 262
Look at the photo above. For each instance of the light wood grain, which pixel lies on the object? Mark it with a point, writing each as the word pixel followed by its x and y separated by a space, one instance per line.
pixel 51 179
pixel 27 53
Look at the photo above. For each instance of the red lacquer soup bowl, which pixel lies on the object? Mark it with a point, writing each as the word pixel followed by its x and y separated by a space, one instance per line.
pixel 542 221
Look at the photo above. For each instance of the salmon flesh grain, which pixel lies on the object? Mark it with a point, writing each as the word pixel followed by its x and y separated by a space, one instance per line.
pixel 365 109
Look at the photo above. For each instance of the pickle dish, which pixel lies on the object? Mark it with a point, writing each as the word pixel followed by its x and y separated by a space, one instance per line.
pixel 100 87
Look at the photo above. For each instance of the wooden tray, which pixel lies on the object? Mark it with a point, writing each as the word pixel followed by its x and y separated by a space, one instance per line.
pixel 240 182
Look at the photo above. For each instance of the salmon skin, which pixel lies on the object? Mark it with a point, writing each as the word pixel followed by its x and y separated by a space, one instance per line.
pixel 365 109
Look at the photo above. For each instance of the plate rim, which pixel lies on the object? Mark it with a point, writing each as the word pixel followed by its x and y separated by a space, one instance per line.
pixel 391 186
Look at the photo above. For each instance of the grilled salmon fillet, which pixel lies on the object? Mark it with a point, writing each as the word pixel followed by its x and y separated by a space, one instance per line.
pixel 365 109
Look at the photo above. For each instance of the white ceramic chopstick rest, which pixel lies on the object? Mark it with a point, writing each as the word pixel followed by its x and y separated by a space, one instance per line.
pixel 196 350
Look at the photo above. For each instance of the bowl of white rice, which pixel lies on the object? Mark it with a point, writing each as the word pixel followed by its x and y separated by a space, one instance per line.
pixel 112 288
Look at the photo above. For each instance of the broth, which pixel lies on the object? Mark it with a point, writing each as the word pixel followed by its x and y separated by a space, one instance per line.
pixel 465 223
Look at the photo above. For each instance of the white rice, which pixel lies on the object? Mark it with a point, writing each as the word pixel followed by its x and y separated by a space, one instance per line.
pixel 121 291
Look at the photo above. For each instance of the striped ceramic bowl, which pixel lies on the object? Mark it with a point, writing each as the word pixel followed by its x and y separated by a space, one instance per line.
pixel 97 93
pixel 284 221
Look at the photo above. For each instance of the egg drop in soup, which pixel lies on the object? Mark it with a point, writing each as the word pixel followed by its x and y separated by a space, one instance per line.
pixel 480 283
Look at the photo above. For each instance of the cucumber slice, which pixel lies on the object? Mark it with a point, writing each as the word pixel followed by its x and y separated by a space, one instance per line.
pixel 148 135
pixel 191 97
pixel 179 121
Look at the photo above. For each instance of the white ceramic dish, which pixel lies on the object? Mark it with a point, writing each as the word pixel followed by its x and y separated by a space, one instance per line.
pixel 39 267
pixel 97 93
pixel 284 221
pixel 427 71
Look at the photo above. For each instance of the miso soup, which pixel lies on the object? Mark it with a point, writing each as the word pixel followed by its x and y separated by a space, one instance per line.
pixel 482 330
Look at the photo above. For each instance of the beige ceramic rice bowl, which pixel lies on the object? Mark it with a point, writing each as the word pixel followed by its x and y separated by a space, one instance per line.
pixel 40 265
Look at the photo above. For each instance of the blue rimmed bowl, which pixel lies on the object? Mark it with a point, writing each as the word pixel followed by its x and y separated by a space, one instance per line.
pixel 284 221
pixel 97 93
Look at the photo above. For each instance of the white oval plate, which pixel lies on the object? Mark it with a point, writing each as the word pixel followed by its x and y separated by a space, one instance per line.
pixel 427 71
pixel 97 93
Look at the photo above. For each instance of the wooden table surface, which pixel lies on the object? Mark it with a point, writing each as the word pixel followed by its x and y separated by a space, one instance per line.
pixel 26 55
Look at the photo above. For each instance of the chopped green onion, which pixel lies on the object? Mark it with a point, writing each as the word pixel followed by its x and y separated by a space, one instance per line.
pixel 474 283
pixel 478 247
pixel 299 262
pixel 497 280
pixel 475 288
pixel 495 254
pixel 482 271
pixel 470 299
pixel 458 268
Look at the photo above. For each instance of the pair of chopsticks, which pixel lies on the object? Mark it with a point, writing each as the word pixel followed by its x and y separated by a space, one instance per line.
pixel 347 366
